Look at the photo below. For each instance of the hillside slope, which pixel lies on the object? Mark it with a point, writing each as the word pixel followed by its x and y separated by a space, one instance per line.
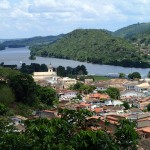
pixel 30 41
pixel 139 35
pixel 92 45
pixel 132 31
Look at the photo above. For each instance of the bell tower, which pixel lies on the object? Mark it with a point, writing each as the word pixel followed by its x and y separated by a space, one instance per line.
pixel 50 68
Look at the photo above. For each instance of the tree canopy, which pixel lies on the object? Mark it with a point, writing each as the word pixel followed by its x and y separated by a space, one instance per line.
pixel 113 92
pixel 134 75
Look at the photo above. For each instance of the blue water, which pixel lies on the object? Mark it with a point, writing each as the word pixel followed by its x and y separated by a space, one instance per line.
pixel 12 56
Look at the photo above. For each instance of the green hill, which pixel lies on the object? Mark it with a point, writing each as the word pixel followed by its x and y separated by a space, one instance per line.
pixel 92 45
pixel 133 31
pixel 139 35
pixel 30 41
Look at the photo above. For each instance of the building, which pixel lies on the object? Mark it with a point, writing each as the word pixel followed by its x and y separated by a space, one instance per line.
pixel 44 75
pixel 66 82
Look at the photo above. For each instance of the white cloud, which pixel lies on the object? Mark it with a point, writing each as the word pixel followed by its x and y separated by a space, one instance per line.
pixel 58 16
pixel 4 4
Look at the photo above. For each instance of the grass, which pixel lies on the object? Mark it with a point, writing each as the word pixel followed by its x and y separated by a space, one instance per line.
pixel 97 78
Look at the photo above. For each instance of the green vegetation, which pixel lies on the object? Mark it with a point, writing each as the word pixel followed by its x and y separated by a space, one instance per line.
pixel 30 41
pixel 95 46
pixel 97 78
pixel 113 92
pixel 148 107
pixel 33 67
pixel 133 31
pixel 67 133
pixel 126 105
pixel 83 88
pixel 3 109
pixel 21 95
pixel 69 71
pixel 122 75
pixel 139 35
pixel 134 75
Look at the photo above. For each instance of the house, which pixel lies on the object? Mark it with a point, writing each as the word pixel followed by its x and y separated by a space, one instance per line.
pixel 66 82
pixel 130 85
pixel 142 103
pixel 144 132
pixel 99 96
pixel 84 105
pixel 67 94
pixel 16 120
pixel 113 102
pixel 143 122
pixel 18 123
pixel 131 94
pixel 47 114
pixel 142 87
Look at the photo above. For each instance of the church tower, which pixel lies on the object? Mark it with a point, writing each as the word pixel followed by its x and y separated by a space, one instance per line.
pixel 50 68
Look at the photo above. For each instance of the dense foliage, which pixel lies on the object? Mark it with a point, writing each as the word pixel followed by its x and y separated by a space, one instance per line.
pixel 96 46
pixel 21 88
pixel 83 88
pixel 139 35
pixel 113 92
pixel 148 107
pixel 33 67
pixel 133 31
pixel 69 71
pixel 30 41
pixel 134 75
pixel 69 132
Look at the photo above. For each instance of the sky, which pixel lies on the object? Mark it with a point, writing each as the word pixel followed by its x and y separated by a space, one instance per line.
pixel 29 18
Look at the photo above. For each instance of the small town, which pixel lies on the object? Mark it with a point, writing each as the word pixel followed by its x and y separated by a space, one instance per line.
pixel 128 99
pixel 74 75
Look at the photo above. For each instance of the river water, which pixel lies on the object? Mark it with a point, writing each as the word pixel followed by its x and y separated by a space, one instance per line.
pixel 12 56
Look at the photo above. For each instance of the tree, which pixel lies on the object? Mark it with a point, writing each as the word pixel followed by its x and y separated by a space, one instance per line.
pixel 126 105
pixel 122 75
pixel 148 75
pixel 43 67
pixel 61 71
pixel 3 109
pixel 148 107
pixel 24 88
pixel 46 95
pixel 134 75
pixel 77 118
pixel 113 92
pixel 8 98
pixel 126 135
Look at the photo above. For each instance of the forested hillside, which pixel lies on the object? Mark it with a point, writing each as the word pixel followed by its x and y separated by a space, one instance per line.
pixel 91 45
pixel 133 31
pixel 139 35
pixel 30 41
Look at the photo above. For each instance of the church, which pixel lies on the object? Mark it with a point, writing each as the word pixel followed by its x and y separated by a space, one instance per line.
pixel 44 75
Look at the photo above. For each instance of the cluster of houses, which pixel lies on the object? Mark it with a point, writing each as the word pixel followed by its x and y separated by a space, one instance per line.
pixel 136 93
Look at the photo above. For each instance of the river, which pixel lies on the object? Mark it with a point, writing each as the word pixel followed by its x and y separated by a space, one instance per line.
pixel 12 56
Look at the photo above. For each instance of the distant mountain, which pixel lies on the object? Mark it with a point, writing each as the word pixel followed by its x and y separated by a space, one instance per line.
pixel 92 45
pixel 31 41
pixel 138 30
pixel 139 35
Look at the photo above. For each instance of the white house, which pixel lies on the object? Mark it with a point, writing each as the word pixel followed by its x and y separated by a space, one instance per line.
pixel 142 87
pixel 113 102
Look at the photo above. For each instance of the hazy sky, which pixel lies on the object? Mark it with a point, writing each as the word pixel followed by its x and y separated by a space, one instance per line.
pixel 28 18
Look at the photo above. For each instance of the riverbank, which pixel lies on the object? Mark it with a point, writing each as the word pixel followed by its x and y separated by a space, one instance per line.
pixel 12 56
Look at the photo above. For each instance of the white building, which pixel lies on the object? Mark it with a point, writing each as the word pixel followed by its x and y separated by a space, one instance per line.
pixel 44 75
pixel 142 87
